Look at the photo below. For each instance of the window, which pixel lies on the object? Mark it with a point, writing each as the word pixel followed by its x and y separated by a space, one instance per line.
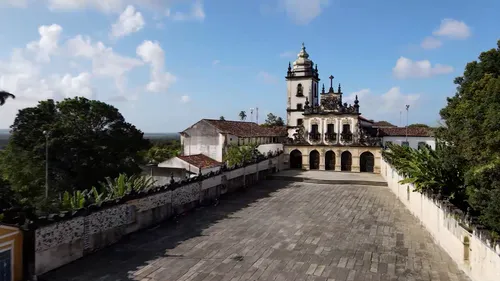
pixel 405 143
pixel 421 144
pixel 300 122
pixel 314 128
pixel 330 128
pixel 299 106
pixel 346 128
pixel 300 90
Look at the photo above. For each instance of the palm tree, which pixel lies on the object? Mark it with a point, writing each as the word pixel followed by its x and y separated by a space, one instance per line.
pixel 5 95
pixel 243 115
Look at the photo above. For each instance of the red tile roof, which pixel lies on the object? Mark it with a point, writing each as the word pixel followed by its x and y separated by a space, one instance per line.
pixel 401 131
pixel 365 119
pixel 201 161
pixel 246 129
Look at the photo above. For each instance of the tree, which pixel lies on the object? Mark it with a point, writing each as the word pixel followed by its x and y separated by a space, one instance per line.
pixel 88 141
pixel 472 129
pixel 222 118
pixel 161 151
pixel 273 120
pixel 418 125
pixel 237 155
pixel 243 115
pixel 4 96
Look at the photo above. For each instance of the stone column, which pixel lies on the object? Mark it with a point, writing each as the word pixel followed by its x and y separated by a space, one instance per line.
pixel 321 159
pixel 355 163
pixel 305 161
pixel 338 158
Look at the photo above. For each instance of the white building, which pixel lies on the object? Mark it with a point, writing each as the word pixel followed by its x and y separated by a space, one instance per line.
pixel 326 133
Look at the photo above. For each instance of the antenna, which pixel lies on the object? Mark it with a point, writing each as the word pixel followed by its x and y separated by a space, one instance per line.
pixel 251 114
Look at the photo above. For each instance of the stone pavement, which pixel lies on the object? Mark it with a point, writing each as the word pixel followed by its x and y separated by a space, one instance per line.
pixel 279 231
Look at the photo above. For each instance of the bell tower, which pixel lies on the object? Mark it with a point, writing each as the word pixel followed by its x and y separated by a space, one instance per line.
pixel 302 84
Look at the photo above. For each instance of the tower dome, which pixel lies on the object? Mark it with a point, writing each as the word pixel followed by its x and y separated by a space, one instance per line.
pixel 302 62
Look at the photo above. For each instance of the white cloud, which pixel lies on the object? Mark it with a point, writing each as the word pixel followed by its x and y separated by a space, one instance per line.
pixel 106 6
pixel 453 29
pixel 216 62
pixel 196 13
pixel 130 21
pixel 388 104
pixel 431 43
pixel 185 99
pixel 267 78
pixel 105 62
pixel 48 43
pixel 152 53
pixel 303 12
pixel 288 54
pixel 70 86
pixel 406 68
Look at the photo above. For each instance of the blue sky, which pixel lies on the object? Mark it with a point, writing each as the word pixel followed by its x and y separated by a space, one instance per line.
pixel 167 64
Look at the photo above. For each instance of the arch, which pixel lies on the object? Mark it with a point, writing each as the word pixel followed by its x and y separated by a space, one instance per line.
pixel 366 162
pixel 345 161
pixel 300 90
pixel 330 160
pixel 296 159
pixel 314 160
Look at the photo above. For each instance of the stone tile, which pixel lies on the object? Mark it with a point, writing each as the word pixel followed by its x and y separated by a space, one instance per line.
pixel 278 231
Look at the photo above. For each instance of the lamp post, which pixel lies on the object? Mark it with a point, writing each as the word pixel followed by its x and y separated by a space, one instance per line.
pixel 46 133
pixel 407 109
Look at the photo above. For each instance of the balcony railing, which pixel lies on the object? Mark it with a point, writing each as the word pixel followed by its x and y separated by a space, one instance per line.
pixel 346 137
pixel 329 136
pixel 314 136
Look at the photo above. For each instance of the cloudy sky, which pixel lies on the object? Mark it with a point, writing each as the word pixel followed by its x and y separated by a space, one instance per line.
pixel 167 63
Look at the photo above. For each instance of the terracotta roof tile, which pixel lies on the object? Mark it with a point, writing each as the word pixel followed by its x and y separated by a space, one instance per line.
pixel 201 161
pixel 383 124
pixel 246 129
pixel 401 131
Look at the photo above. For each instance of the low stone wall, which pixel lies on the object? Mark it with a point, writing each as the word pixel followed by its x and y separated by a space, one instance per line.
pixel 62 242
pixel 474 254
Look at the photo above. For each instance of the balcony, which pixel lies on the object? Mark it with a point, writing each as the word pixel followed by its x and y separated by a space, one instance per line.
pixel 346 137
pixel 314 136
pixel 331 136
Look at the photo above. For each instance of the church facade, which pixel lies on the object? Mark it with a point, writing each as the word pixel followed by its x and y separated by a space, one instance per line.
pixel 325 133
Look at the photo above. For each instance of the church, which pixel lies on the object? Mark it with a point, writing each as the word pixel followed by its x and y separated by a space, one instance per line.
pixel 325 133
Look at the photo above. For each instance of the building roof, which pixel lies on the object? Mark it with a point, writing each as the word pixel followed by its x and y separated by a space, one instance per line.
pixel 246 129
pixel 200 161
pixel 401 131
pixel 365 119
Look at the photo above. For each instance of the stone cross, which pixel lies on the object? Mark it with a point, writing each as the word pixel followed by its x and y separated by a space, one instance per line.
pixel 331 81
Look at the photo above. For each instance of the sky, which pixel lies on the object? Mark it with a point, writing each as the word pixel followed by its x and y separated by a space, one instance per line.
pixel 165 64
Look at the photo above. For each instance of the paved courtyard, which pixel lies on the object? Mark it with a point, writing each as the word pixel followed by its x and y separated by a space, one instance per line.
pixel 279 230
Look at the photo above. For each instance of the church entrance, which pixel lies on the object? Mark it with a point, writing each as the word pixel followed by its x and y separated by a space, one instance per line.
pixel 314 160
pixel 330 160
pixel 296 159
pixel 366 162
pixel 345 161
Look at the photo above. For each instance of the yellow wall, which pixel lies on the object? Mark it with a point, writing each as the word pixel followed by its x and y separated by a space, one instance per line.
pixel 12 238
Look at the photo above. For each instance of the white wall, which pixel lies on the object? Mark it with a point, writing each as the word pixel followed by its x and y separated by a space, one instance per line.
pixel 265 148
pixel 203 139
pixel 484 260
pixel 179 164
pixel 413 141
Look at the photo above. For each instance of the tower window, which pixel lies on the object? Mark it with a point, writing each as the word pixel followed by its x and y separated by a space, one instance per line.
pixel 314 129
pixel 346 128
pixel 300 122
pixel 300 91
pixel 330 128
pixel 299 106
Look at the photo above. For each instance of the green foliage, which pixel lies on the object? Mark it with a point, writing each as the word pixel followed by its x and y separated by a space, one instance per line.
pixel 161 151
pixel 237 155
pixel 273 120
pixel 73 201
pixel 416 125
pixel 222 118
pixel 4 96
pixel 88 140
pixel 243 115
pixel 123 185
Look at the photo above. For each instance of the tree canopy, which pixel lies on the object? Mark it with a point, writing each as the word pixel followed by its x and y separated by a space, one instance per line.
pixel 417 125
pixel 4 96
pixel 243 115
pixel 87 140
pixel 273 120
